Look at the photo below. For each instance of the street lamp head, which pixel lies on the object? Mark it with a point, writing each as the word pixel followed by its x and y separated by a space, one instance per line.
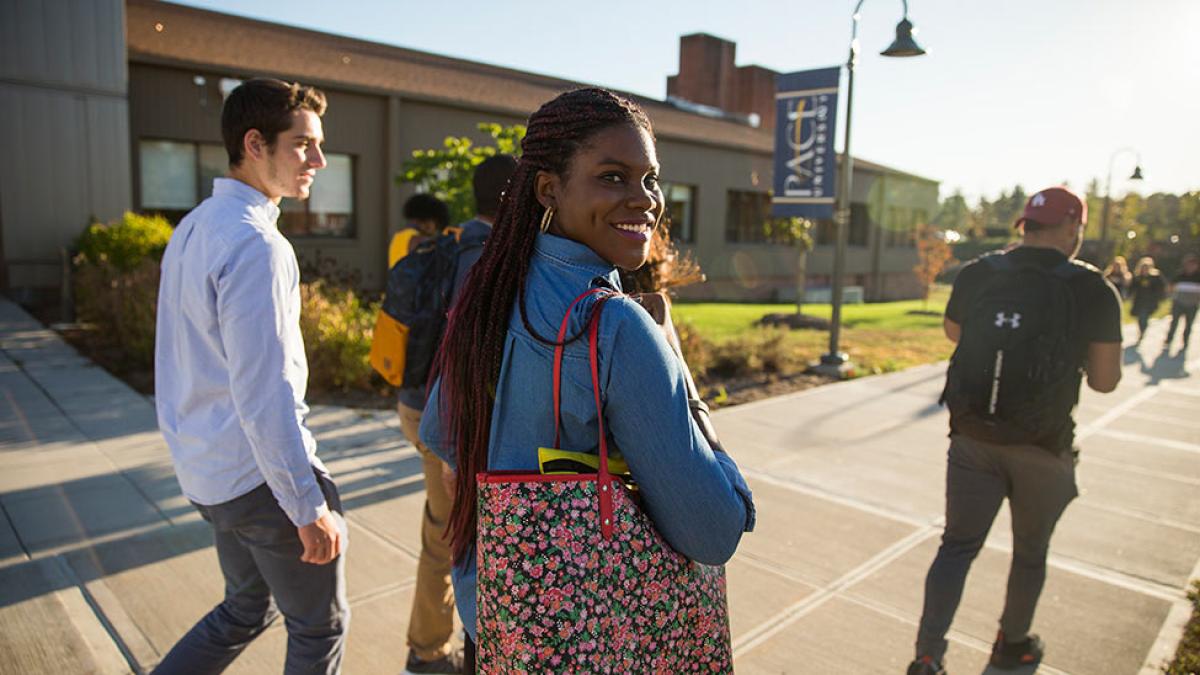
pixel 1137 173
pixel 904 44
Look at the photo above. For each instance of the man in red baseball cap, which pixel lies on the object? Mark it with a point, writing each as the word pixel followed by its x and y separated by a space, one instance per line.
pixel 1055 206
pixel 1027 323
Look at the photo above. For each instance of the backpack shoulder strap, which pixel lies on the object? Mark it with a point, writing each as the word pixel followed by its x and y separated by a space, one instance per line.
pixel 471 240
pixel 1069 269
pixel 998 261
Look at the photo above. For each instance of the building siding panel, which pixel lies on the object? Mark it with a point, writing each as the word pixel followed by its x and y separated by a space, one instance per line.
pixel 71 44
pixel 109 171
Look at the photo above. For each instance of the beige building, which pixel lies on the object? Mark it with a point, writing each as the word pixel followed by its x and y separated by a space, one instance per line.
pixel 162 147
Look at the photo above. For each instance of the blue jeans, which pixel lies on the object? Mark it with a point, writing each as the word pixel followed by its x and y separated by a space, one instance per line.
pixel 259 552
pixel 1039 485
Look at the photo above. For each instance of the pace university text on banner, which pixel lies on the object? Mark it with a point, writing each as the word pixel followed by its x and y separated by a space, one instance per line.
pixel 805 163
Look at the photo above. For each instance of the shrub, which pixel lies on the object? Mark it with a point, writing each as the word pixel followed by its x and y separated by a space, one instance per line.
pixel 122 305
pixel 697 350
pixel 116 283
pixel 758 351
pixel 126 243
pixel 337 328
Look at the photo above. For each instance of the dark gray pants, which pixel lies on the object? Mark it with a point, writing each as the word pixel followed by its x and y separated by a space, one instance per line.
pixel 259 552
pixel 1039 485
pixel 1188 315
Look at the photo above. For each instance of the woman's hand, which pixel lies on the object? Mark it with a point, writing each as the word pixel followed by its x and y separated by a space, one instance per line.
pixel 659 308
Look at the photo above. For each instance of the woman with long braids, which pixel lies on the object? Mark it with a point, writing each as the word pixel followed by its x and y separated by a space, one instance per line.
pixel 583 202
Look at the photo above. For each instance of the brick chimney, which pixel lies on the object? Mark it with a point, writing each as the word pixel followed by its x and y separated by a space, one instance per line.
pixel 708 75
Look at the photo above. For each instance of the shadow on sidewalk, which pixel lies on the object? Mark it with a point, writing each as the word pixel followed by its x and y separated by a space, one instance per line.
pixel 28 580
pixel 1165 366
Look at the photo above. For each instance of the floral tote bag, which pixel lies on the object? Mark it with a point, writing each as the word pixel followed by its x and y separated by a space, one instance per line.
pixel 573 576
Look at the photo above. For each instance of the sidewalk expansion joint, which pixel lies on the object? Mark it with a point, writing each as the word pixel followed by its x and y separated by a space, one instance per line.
pixel 1090 460
pixel 12 527
pixel 813 490
pixel 73 578
pixel 789 616
pixel 94 443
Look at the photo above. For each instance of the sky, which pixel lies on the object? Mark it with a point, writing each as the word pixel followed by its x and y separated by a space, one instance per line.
pixel 1029 92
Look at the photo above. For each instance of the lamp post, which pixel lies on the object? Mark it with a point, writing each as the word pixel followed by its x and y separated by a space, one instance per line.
pixel 836 362
pixel 1137 175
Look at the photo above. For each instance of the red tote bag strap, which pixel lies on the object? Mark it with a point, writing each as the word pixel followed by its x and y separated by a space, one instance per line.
pixel 558 357
pixel 603 477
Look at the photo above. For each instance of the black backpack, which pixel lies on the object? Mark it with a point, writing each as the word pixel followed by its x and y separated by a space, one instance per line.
pixel 1015 374
pixel 418 295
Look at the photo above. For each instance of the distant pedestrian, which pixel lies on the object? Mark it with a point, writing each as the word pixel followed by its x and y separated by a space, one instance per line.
pixel 1117 274
pixel 426 217
pixel 431 623
pixel 1146 292
pixel 229 388
pixel 1185 298
pixel 1026 324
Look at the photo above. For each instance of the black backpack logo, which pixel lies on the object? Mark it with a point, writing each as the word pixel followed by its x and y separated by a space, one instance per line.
pixel 418 295
pixel 1014 376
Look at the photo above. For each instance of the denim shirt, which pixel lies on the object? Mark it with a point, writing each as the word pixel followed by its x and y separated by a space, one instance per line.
pixel 696 497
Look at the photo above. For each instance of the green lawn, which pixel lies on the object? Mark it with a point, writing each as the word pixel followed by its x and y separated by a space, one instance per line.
pixel 880 337
pixel 723 320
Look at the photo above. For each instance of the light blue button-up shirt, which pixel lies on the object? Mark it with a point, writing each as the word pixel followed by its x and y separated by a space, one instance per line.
pixel 696 497
pixel 229 364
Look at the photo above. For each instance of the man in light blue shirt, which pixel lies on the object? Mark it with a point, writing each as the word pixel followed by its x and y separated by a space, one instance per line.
pixel 230 378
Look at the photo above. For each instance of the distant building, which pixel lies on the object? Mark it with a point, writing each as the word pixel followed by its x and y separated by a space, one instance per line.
pixel 101 120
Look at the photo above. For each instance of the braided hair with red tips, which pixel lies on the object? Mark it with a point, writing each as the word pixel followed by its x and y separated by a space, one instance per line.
pixel 469 359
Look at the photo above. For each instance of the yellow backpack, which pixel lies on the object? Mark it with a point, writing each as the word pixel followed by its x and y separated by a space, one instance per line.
pixel 389 344
pixel 390 340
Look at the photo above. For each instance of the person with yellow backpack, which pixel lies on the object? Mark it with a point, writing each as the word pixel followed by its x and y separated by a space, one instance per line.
pixel 425 273
pixel 427 217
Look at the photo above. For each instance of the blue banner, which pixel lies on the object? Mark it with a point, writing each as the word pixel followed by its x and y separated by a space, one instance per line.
pixel 805 163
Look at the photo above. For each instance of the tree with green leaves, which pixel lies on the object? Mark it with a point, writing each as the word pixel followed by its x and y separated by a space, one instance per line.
pixel 795 232
pixel 954 213
pixel 446 172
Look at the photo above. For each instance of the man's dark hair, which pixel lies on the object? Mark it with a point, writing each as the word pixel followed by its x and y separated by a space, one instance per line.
pixel 427 207
pixel 490 181
pixel 266 105
pixel 1035 226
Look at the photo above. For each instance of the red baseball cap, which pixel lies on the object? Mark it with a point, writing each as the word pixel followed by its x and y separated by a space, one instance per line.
pixel 1052 206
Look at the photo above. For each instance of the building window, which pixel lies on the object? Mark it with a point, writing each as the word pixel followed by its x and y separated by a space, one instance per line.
pixel 858 235
pixel 169 175
pixel 747 213
pixel 826 232
pixel 860 225
pixel 681 208
pixel 901 227
pixel 176 176
pixel 329 209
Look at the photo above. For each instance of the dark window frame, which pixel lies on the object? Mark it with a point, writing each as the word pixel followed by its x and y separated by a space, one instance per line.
pixel 739 227
pixel 684 233
pixel 175 215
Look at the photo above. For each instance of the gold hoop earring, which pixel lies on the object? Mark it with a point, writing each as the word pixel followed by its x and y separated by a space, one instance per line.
pixel 547 216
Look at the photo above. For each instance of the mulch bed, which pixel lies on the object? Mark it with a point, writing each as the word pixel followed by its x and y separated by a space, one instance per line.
pixel 745 389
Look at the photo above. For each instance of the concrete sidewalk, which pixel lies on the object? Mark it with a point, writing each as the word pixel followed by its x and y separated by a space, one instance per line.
pixel 103 564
